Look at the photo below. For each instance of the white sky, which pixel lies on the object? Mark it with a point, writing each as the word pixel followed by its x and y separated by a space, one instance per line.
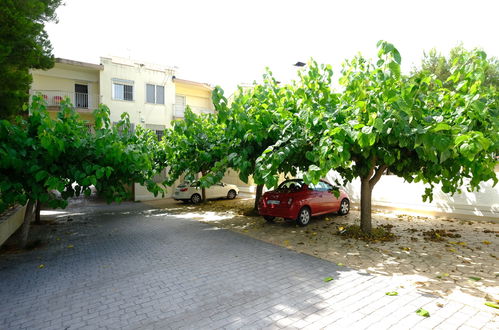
pixel 224 42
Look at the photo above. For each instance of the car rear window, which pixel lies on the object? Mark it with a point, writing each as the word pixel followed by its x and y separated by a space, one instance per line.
pixel 290 185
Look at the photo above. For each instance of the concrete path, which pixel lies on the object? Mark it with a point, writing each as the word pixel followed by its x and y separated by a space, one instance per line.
pixel 130 267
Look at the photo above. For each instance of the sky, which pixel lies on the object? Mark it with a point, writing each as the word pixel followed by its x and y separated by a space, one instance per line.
pixel 230 42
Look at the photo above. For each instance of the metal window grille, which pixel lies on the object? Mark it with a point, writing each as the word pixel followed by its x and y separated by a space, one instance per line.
pixel 159 134
pixel 128 93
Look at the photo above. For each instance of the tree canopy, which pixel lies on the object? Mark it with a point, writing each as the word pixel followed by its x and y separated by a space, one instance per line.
pixel 50 160
pixel 195 145
pixel 24 45
pixel 417 126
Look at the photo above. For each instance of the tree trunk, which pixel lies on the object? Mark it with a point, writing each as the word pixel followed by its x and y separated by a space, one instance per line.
pixel 37 212
pixel 259 191
pixel 365 205
pixel 367 184
pixel 203 194
pixel 26 224
pixel 203 189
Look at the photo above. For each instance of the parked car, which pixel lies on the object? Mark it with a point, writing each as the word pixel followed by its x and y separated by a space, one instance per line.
pixel 192 191
pixel 294 199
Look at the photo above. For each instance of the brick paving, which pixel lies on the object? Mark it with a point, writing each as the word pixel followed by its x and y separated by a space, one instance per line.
pixel 137 268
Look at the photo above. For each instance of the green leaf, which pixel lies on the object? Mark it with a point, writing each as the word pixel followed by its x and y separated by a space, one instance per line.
pixel 474 278
pixel 423 312
pixel 328 279
pixel 441 127
pixel 392 293
pixel 40 176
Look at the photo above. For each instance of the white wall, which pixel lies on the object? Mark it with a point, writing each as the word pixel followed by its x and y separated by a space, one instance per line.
pixel 140 111
pixel 393 191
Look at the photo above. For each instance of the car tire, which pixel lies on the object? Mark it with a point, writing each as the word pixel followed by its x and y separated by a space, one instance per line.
pixel 344 207
pixel 269 218
pixel 196 199
pixel 231 194
pixel 304 216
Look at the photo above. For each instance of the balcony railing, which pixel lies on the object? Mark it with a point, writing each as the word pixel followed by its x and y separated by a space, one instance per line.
pixel 79 100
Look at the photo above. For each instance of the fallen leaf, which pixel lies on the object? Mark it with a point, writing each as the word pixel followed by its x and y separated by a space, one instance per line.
pixel 392 293
pixel 423 312
pixel 286 242
pixel 70 246
pixel 491 304
pixel 328 279
pixel 462 243
pixel 440 305
pixel 486 242
pixel 474 278
pixel 452 250
pixel 41 266
pixel 340 264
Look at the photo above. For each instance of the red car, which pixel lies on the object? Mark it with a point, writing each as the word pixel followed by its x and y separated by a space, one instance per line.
pixel 294 199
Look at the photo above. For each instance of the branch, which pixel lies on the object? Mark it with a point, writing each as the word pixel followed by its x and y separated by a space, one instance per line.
pixel 377 175
pixel 371 170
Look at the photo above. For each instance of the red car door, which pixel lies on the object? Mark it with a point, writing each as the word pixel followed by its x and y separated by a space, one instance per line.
pixel 332 204
pixel 316 198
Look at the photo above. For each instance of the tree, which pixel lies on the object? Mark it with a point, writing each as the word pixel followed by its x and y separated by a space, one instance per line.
pixel 260 118
pixel 414 126
pixel 441 66
pixel 195 145
pixel 45 160
pixel 24 45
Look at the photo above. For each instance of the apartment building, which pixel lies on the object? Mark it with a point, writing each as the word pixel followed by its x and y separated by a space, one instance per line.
pixel 151 94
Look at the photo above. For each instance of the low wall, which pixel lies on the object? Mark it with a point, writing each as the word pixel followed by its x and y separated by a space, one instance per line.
pixel 11 222
pixel 393 192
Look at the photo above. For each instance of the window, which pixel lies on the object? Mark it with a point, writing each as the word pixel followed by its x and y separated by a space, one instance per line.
pixel 179 106
pixel 122 90
pixel 160 134
pixel 320 186
pixel 159 130
pixel 155 94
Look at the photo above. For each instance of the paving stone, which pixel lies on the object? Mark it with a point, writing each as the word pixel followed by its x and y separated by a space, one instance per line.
pixel 139 268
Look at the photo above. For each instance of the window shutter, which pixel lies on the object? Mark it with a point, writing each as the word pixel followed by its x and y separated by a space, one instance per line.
pixel 160 94
pixel 150 91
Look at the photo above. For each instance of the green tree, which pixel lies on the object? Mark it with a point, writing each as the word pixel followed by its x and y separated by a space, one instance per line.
pixel 195 145
pixel 24 45
pixel 259 120
pixel 441 66
pixel 45 160
pixel 414 126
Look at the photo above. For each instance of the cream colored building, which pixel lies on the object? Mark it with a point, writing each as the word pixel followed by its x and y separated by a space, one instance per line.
pixel 151 94
pixel 78 81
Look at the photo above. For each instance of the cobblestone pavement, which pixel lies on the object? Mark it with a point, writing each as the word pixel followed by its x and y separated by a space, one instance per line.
pixel 131 267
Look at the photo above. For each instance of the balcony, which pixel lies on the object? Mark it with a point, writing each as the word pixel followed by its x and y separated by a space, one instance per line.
pixel 81 101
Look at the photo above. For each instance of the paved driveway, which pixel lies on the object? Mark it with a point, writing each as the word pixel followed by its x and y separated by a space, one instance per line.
pixel 130 267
